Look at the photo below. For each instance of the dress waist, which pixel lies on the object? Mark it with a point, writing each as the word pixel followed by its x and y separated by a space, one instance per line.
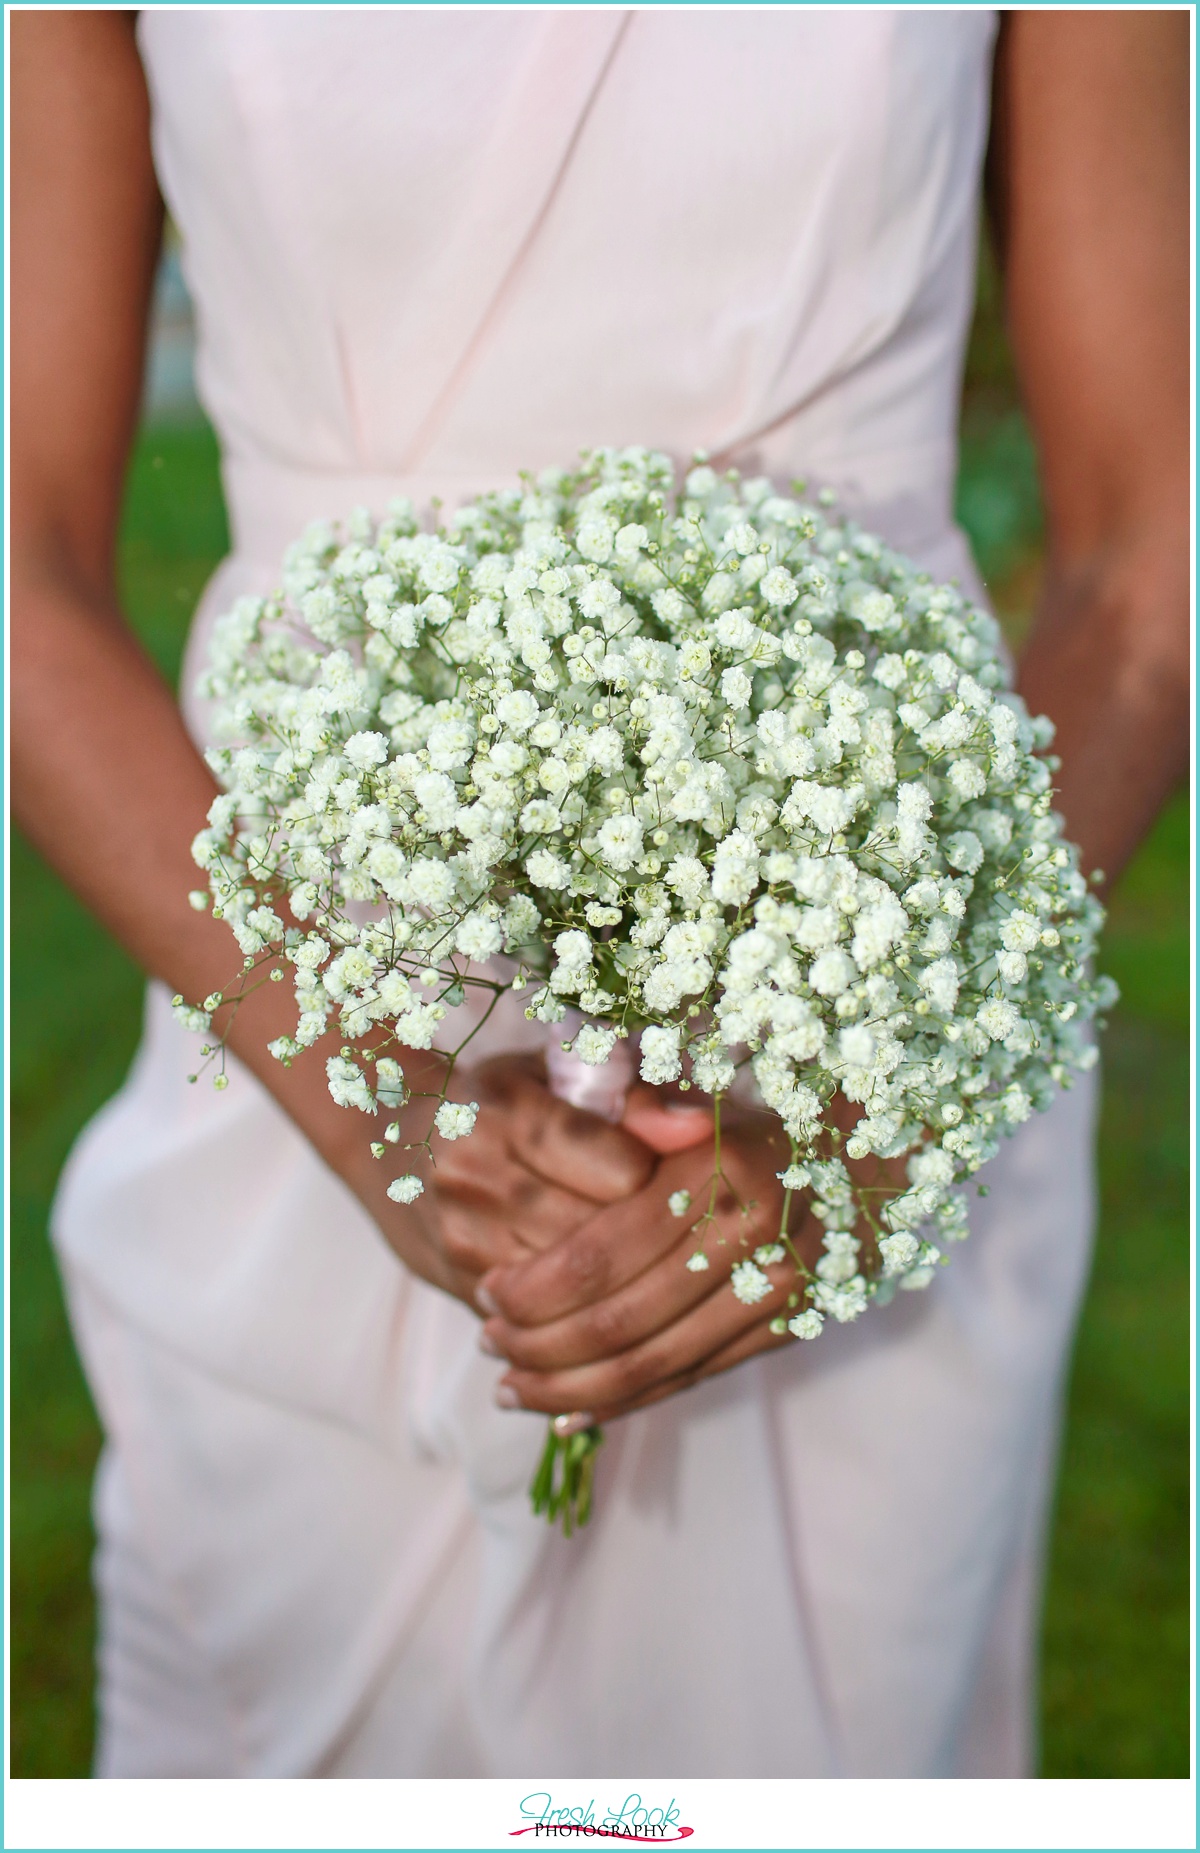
pixel 271 503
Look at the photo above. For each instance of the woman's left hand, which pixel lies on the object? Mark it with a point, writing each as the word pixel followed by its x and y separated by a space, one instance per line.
pixel 611 1318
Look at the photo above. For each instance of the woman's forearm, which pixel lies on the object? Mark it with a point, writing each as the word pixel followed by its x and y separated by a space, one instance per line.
pixel 1108 662
pixel 106 782
pixel 109 787
pixel 1090 193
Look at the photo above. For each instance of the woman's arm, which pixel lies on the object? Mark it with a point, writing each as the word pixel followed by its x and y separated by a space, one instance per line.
pixel 105 779
pixel 1090 179
pixel 1090 175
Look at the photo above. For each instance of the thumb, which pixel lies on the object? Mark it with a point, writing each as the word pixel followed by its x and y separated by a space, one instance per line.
pixel 664 1122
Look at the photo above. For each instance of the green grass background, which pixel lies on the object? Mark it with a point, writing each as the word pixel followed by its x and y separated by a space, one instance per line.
pixel 1115 1684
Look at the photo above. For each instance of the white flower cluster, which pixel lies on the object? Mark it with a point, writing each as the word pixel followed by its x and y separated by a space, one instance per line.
pixel 709 766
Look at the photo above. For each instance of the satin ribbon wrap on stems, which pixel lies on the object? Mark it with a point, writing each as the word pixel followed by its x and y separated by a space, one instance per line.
pixel 562 1485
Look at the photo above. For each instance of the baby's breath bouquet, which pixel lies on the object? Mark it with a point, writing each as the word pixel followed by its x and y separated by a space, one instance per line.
pixel 711 774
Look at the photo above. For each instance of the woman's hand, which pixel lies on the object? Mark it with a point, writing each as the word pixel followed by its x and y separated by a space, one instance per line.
pixel 531 1173
pixel 611 1318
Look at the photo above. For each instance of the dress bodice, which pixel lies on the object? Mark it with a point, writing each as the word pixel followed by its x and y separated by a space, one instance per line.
pixel 429 248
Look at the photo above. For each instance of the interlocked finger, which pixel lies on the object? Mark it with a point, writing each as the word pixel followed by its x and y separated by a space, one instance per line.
pixel 753 1343
pixel 716 1323
pixel 612 1248
pixel 609 1325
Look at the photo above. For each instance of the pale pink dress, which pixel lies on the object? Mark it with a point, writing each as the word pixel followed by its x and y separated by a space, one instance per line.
pixel 429 248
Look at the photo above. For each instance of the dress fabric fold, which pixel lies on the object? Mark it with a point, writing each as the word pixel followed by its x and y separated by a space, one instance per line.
pixel 428 250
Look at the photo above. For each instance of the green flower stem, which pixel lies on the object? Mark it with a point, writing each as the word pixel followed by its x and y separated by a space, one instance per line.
pixel 562 1486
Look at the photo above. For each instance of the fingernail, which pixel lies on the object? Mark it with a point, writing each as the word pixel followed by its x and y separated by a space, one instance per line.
pixel 565 1425
pixel 506 1397
pixel 488 1344
pixel 485 1301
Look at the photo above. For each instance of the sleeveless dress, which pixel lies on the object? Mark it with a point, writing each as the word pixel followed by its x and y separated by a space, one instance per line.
pixel 428 249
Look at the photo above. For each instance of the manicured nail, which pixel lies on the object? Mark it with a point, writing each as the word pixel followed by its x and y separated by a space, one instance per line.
pixel 565 1425
pixel 506 1397
pixel 488 1344
pixel 485 1302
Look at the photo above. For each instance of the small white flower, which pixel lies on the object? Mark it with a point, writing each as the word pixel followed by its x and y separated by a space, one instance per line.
pixel 477 937
pixel 437 796
pixel 769 1254
pixel 742 538
pixel 620 842
pixel 594 1045
pixel 1021 931
pixel 997 1018
pixel 546 870
pixel 832 973
pixel 594 538
pixel 898 1251
pixel 688 876
pixel 695 660
pixel 439 569
pixel 405 1189
pixel 940 982
pixel 390 1089
pixel 735 868
pixel 964 851
pixel 365 750
pixel 874 610
pixel 428 883
pixel 450 745
pixel 749 1283
pixel 796 1177
pixel 931 1165
pixel 679 1203
pixel 660 1055
pixel 518 710
pixel 968 779
pixel 417 1026
pixel 713 1071
pixel 720 591
pixel 192 1019
pixel 348 1084
pixel 629 542
pixel 697 1263
pixel 856 1045
pixel 778 588
pixel 573 949
pixel 736 688
pixel 455 1119
pixel 806 1324
pixel 846 1302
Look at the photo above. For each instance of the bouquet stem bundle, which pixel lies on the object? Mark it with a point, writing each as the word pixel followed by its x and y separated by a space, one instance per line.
pixel 562 1486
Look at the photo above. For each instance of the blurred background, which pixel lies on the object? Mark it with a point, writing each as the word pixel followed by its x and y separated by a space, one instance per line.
pixel 1116 1634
